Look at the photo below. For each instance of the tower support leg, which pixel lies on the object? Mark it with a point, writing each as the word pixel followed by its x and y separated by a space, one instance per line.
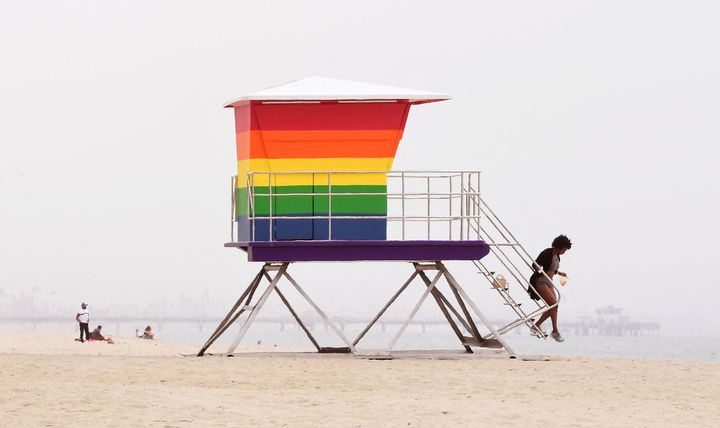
pixel 232 315
pixel 467 322
pixel 441 302
pixel 447 309
pixel 454 285
pixel 256 309
pixel 239 308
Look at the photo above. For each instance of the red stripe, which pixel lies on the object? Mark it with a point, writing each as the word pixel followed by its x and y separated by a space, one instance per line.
pixel 323 116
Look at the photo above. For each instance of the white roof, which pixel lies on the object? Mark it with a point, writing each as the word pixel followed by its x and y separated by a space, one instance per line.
pixel 323 88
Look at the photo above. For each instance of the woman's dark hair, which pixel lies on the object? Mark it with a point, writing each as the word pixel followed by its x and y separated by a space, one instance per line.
pixel 562 241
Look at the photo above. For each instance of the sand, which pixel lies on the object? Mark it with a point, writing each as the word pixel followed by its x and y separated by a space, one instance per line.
pixel 49 380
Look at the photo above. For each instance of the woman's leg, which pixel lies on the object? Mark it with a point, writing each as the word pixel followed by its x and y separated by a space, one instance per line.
pixel 548 295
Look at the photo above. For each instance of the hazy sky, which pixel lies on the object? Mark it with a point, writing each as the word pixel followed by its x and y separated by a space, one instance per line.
pixel 595 119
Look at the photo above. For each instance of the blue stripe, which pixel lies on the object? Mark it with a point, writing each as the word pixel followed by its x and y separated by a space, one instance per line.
pixel 309 229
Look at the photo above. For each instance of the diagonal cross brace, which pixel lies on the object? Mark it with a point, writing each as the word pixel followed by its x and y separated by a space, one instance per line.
pixel 454 285
pixel 230 318
pixel 254 312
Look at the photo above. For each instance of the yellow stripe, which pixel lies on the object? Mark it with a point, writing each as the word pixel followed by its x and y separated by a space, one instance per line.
pixel 301 179
pixel 320 164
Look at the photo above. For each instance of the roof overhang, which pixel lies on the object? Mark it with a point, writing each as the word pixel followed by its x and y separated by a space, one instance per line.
pixel 321 89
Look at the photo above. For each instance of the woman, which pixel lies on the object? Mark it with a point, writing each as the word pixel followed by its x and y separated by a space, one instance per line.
pixel 147 334
pixel 549 261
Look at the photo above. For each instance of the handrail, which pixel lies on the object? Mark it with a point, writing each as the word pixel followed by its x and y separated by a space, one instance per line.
pixel 419 199
pixel 406 187
pixel 505 260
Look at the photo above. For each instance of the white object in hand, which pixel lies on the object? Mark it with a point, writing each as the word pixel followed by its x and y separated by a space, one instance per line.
pixel 500 282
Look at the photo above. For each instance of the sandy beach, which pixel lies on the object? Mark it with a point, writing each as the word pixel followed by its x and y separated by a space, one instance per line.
pixel 48 380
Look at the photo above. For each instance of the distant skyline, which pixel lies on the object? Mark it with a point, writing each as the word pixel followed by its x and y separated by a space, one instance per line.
pixel 597 120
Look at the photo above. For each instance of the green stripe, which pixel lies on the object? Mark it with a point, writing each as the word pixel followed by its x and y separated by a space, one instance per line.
pixel 346 204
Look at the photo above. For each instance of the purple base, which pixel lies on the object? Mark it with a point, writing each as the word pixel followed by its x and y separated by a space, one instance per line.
pixel 350 251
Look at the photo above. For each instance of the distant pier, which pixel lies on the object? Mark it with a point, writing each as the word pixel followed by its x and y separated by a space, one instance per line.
pixel 613 325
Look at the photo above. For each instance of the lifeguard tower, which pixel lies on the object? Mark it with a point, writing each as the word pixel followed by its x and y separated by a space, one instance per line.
pixel 315 183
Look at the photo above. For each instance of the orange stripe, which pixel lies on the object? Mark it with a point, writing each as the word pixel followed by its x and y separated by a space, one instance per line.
pixel 317 144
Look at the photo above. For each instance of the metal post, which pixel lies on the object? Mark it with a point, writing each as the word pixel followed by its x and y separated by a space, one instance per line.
pixel 402 198
pixel 270 220
pixel 479 207
pixel 474 207
pixel 233 190
pixel 466 193
pixel 250 181
pixel 450 207
pixel 462 206
pixel 428 208
pixel 329 206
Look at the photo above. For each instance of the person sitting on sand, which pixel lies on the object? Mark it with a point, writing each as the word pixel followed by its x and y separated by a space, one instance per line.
pixel 549 262
pixel 97 335
pixel 147 334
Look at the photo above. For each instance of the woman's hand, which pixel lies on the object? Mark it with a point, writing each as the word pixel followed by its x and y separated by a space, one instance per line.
pixel 562 274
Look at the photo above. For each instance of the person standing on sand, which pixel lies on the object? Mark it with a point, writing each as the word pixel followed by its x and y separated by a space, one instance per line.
pixel 83 318
pixel 549 262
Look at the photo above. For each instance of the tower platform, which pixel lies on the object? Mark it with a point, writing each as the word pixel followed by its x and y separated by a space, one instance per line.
pixel 349 251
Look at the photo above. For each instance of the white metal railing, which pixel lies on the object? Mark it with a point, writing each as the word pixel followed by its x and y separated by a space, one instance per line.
pixel 416 201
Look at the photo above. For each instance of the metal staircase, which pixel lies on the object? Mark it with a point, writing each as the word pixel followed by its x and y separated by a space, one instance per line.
pixel 514 260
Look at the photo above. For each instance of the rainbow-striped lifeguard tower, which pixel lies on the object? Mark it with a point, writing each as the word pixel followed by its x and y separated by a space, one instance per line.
pixel 315 183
